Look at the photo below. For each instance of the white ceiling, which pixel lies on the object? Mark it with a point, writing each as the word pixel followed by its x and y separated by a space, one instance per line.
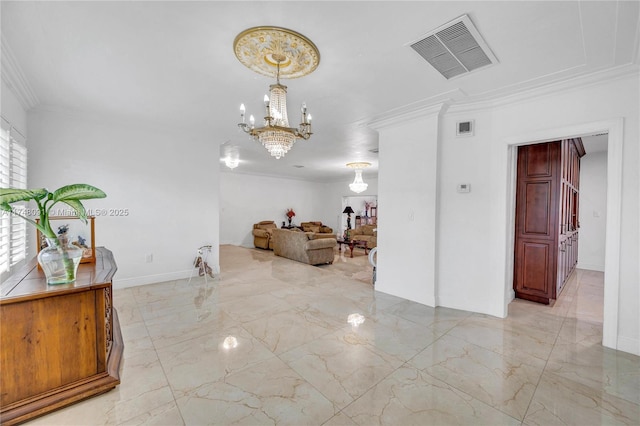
pixel 172 63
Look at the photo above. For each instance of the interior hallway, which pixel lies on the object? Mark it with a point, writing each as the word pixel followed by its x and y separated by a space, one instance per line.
pixel 297 360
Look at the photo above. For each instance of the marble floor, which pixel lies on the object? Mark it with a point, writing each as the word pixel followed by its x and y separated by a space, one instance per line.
pixel 268 342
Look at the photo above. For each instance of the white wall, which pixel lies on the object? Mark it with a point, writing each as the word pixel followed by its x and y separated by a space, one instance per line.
pixel 166 178
pixel 464 250
pixel 407 192
pixel 474 258
pixel 593 211
pixel 247 199
pixel 12 110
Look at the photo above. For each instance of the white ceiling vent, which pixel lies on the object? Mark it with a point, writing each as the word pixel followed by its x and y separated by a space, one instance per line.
pixel 455 48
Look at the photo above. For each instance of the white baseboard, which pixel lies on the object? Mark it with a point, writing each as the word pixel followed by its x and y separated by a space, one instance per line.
pixel 590 266
pixel 158 278
pixel 627 344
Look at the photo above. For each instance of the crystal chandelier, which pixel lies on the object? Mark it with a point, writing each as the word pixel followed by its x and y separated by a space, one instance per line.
pixel 358 184
pixel 289 54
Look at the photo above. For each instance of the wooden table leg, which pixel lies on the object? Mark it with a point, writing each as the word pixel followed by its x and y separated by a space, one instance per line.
pixel 351 246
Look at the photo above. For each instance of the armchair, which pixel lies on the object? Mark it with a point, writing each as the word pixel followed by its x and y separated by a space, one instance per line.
pixel 263 234
pixel 368 233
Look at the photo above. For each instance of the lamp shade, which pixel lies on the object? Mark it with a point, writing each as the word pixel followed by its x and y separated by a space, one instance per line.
pixel 348 209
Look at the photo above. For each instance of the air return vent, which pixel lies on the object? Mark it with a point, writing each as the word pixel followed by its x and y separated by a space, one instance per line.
pixel 455 48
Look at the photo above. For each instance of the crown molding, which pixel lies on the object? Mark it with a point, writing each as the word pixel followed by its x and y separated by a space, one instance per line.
pixel 546 89
pixel 458 102
pixel 435 105
pixel 13 76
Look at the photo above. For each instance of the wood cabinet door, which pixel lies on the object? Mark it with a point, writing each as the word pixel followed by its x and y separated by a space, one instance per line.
pixel 536 239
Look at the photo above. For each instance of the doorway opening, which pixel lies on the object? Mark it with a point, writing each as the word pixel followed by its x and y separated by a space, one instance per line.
pixel 614 129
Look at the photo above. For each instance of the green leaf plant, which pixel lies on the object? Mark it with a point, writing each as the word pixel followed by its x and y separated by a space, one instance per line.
pixel 71 195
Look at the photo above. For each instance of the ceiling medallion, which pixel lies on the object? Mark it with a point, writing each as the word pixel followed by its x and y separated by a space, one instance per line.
pixel 276 52
pixel 261 49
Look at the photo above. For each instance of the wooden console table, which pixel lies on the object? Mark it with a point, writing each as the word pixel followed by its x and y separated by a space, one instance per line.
pixel 59 343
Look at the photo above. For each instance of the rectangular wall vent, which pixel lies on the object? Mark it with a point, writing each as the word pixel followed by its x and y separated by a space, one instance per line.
pixel 464 128
pixel 455 48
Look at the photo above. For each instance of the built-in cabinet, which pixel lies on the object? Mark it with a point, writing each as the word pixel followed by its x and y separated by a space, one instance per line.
pixel 546 234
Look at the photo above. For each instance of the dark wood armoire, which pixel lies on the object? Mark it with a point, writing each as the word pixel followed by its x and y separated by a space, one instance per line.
pixel 546 234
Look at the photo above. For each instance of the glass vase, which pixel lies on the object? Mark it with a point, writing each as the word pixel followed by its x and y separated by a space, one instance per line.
pixel 59 260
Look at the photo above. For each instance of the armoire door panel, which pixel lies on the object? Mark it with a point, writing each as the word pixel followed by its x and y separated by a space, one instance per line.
pixel 535 267
pixel 538 161
pixel 538 212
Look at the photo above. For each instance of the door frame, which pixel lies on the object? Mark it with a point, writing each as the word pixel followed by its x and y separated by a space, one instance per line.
pixel 615 129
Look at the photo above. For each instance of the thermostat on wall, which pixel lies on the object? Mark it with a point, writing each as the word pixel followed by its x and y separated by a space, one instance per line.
pixel 464 187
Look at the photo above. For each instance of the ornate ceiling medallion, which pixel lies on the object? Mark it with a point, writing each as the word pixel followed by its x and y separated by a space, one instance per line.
pixel 261 49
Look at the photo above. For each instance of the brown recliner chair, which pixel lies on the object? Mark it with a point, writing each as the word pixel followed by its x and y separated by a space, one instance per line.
pixel 262 234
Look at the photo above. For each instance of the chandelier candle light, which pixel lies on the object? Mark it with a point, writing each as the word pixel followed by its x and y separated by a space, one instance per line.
pixel 287 54
pixel 358 184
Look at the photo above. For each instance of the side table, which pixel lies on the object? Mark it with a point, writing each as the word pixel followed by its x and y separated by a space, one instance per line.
pixel 352 244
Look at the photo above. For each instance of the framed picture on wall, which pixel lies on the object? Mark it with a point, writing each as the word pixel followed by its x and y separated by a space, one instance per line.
pixel 374 211
pixel 78 233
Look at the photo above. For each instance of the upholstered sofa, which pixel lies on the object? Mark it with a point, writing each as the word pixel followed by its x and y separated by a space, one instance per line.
pixel 320 230
pixel 262 234
pixel 368 233
pixel 303 246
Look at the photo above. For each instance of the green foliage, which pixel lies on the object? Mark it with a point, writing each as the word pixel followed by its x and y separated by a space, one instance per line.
pixel 45 200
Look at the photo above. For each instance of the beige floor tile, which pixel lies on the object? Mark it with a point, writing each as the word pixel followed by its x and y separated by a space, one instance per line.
pixel 341 365
pixel 191 364
pixel 297 360
pixel 339 419
pixel 393 335
pixel 503 382
pixel 287 330
pixel 559 401
pixel 603 369
pixel 265 393
pixel 584 331
pixel 438 319
pixel 529 345
pixel 412 397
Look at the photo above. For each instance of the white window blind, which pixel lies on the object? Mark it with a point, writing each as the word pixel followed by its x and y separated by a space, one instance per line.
pixel 13 174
